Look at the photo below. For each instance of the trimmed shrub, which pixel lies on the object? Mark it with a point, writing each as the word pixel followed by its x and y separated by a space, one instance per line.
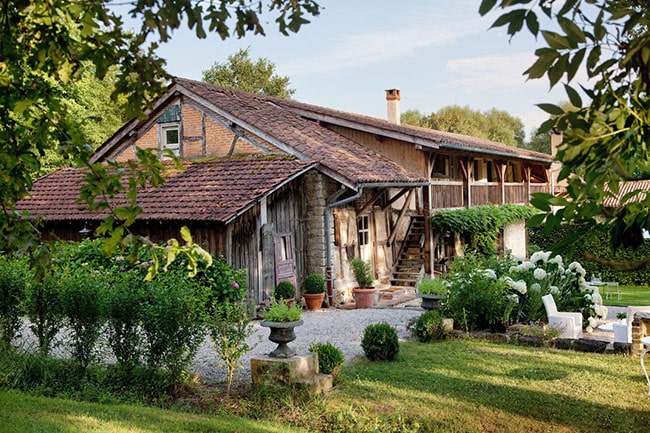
pixel 12 287
pixel 380 342
pixel 82 301
pixel 43 308
pixel 284 290
pixel 329 357
pixel 314 284
pixel 430 327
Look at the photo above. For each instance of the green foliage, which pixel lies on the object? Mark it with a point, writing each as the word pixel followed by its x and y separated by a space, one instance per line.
pixel 480 224
pixel 380 342
pixel 172 322
pixel 241 72
pixel 281 312
pixel 605 134
pixel 493 124
pixel 433 286
pixel 124 303
pixel 314 283
pixel 229 327
pixel 362 271
pixel 82 302
pixel 587 250
pixel 284 290
pixel 330 357
pixel 43 308
pixel 12 287
pixel 540 330
pixel 430 326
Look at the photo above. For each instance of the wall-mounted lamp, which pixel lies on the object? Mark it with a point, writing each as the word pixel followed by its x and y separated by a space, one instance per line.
pixel 85 232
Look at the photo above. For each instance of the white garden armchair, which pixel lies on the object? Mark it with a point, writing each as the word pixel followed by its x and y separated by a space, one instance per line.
pixel 623 331
pixel 570 324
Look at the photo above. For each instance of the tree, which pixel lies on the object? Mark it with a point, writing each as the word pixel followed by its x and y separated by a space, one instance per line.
pixel 606 136
pixel 539 142
pixel 496 125
pixel 240 72
pixel 43 46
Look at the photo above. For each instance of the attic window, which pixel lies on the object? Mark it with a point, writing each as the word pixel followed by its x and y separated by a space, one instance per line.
pixel 170 139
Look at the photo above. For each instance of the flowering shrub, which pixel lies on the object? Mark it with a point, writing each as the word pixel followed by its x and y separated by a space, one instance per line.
pixel 511 290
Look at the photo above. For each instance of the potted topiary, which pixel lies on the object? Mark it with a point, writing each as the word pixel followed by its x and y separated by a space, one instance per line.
pixel 314 291
pixel 365 293
pixel 285 292
pixel 432 291
pixel 281 319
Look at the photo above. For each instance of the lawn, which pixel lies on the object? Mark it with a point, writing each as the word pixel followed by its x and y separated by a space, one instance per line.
pixel 464 385
pixel 630 295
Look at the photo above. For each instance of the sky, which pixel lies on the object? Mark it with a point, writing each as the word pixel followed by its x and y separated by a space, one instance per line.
pixel 437 52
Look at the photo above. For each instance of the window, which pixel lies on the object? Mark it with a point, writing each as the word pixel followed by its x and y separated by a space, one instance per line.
pixel 171 139
pixel 364 232
pixel 440 166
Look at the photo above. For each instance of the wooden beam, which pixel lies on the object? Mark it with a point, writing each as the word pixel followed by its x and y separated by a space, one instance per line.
pixel 372 201
pixel 396 197
pixel 393 232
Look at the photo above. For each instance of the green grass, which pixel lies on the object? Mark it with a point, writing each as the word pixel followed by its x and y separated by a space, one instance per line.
pixel 630 295
pixel 21 412
pixel 458 385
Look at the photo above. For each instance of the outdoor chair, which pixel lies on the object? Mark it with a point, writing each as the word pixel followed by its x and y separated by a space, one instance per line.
pixel 611 289
pixel 569 324
pixel 623 330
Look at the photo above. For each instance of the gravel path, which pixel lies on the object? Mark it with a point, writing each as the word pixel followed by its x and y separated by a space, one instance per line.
pixel 342 328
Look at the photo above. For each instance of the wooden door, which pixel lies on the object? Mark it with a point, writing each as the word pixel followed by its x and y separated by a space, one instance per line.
pixel 285 258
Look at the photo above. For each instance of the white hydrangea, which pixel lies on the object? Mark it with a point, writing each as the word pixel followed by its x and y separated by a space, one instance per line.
pixel 518 286
pixel 540 256
pixel 577 268
pixel 539 274
pixel 554 290
pixel 596 298
pixel 489 273
pixel 600 310
pixel 535 287
pixel 588 297
pixel 526 266
pixel 513 297
pixel 591 324
pixel 557 260
pixel 582 284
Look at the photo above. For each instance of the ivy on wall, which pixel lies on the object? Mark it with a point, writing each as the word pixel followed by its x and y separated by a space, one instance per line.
pixel 480 225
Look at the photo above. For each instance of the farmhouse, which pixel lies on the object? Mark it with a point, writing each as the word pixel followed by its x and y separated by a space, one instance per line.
pixel 285 189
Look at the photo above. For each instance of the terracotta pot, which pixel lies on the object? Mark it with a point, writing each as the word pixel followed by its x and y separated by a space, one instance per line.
pixel 314 301
pixel 364 298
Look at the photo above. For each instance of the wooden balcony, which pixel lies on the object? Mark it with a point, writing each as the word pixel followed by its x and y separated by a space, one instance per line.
pixel 452 194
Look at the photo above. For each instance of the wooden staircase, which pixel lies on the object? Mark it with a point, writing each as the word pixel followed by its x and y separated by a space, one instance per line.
pixel 410 260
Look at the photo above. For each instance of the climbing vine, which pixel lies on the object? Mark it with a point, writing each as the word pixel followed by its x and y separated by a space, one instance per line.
pixel 480 225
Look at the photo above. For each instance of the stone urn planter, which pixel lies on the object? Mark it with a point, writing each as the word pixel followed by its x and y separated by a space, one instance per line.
pixel 364 297
pixel 430 302
pixel 282 333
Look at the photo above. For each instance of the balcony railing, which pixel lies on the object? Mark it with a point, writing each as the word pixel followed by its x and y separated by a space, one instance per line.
pixel 451 194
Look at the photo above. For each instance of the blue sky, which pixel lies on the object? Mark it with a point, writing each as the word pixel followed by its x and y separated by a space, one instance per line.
pixel 437 52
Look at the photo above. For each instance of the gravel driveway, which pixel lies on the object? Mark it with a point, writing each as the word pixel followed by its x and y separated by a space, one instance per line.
pixel 342 328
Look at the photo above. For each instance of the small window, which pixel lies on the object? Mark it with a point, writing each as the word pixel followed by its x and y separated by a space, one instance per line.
pixel 440 166
pixel 171 139
pixel 364 232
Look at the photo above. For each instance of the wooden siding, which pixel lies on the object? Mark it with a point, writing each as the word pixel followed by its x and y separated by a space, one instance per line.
pixel 403 153
pixel 453 194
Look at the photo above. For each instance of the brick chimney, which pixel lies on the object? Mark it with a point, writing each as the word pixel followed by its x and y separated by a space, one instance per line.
pixel 392 105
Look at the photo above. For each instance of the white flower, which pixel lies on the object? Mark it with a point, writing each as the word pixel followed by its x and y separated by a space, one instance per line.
pixel 519 286
pixel 577 268
pixel 539 274
pixel 557 260
pixel 489 273
pixel 512 269
pixel 600 310
pixel 592 322
pixel 582 284
pixel 535 287
pixel 526 266
pixel 554 290
pixel 597 298
pixel 560 269
pixel 540 256
pixel 588 297
pixel 514 298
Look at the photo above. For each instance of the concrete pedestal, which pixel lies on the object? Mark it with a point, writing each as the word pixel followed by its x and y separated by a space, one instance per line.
pixel 299 369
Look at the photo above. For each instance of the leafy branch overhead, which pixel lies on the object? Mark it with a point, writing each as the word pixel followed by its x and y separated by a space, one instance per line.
pixel 46 46
pixel 607 126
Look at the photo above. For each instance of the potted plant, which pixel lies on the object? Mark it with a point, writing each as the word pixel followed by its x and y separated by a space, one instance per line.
pixel 281 319
pixel 432 291
pixel 285 292
pixel 365 293
pixel 314 291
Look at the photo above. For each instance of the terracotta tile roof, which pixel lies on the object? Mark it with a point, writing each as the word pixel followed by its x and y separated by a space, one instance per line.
pixel 626 188
pixel 214 190
pixel 406 132
pixel 357 163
